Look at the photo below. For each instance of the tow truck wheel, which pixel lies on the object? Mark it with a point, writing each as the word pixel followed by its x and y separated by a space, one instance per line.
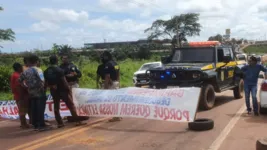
pixel 207 97
pixel 239 90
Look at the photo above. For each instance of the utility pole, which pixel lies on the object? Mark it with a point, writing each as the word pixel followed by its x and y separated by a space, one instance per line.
pixel 177 33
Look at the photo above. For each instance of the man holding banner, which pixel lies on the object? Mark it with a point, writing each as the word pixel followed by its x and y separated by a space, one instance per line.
pixel 59 89
pixel 111 74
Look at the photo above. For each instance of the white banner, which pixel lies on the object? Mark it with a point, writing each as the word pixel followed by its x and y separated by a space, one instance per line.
pixel 9 109
pixel 176 104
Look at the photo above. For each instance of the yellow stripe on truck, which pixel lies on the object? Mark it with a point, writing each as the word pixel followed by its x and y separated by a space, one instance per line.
pixel 207 67
pixel 220 64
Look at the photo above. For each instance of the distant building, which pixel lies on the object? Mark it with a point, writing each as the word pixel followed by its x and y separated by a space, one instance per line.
pixel 110 45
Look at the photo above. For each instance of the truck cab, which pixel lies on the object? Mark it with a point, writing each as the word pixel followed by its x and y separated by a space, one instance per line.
pixel 209 65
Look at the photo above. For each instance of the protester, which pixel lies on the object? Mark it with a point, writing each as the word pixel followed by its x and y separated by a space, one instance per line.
pixel 72 73
pixel 59 89
pixel 112 75
pixel 100 75
pixel 15 88
pixel 251 75
pixel 33 77
pixel 24 95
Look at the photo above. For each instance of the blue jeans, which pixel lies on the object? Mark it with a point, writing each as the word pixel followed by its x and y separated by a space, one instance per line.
pixel 253 90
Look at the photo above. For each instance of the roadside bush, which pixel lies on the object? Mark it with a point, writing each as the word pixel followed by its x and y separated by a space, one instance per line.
pixel 5 73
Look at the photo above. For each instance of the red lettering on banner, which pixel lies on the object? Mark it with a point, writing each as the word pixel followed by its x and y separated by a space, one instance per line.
pixel 135 110
pixel 169 93
pixel 80 111
pixel 88 110
pixel 4 110
pixel 109 109
pixel 174 114
pixel 11 111
pixel 50 105
pixel 63 106
pixel 16 110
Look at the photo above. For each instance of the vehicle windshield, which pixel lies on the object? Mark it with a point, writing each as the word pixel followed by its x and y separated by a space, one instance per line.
pixel 149 66
pixel 197 55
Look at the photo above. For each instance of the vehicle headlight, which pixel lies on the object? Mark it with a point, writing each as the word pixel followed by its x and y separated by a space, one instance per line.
pixel 196 75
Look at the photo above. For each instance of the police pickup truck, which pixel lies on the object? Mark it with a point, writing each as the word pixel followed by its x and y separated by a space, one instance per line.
pixel 209 65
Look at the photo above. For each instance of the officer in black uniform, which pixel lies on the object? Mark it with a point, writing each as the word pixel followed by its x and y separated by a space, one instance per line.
pixel 72 73
pixel 100 75
pixel 111 74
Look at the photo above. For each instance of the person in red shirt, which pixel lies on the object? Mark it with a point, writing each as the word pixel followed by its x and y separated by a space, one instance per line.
pixel 16 90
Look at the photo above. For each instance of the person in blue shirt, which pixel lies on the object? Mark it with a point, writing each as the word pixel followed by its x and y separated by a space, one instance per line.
pixel 251 75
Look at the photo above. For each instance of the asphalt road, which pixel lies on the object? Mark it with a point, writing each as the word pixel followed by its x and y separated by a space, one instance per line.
pixel 130 134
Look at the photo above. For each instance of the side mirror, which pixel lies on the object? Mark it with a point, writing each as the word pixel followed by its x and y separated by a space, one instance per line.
pixel 165 59
pixel 261 76
pixel 226 59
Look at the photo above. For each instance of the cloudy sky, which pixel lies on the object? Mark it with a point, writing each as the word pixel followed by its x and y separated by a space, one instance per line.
pixel 39 24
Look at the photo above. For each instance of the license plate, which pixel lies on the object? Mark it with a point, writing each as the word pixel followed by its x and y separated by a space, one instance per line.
pixel 143 81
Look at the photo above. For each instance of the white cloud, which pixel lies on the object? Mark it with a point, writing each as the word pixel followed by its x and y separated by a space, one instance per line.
pixel 60 15
pixel 127 25
pixel 127 19
pixel 44 26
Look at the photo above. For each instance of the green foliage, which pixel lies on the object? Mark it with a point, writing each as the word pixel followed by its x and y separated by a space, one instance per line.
pixel 5 73
pixel 87 67
pixel 183 25
pixel 6 34
pixel 5 96
pixel 257 49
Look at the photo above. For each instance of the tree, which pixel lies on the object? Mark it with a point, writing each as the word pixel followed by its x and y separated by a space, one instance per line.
pixel 64 49
pixel 217 37
pixel 55 49
pixel 6 34
pixel 234 41
pixel 182 25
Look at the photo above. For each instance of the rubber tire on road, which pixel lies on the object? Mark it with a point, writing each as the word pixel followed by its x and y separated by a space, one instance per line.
pixel 263 111
pixel 239 90
pixel 203 103
pixel 201 124
pixel 79 118
pixel 261 144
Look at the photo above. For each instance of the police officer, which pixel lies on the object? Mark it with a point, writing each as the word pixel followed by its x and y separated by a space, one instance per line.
pixel 72 73
pixel 100 75
pixel 111 74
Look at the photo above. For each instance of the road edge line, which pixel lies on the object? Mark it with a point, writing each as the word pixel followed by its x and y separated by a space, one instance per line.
pixel 228 128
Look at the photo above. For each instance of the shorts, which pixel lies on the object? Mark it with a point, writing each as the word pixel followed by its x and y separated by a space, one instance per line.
pixel 23 106
pixel 73 85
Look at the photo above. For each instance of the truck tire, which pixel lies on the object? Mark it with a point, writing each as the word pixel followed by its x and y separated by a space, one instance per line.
pixel 263 111
pixel 261 144
pixel 207 97
pixel 201 124
pixel 239 90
